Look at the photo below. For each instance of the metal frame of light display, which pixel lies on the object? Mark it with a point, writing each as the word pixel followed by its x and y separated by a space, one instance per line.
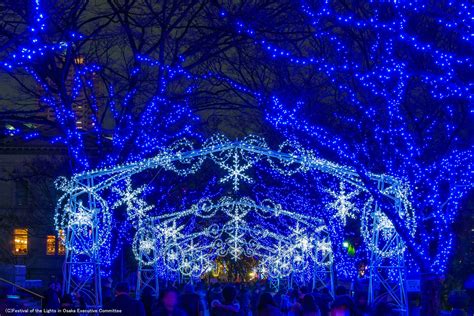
pixel 86 218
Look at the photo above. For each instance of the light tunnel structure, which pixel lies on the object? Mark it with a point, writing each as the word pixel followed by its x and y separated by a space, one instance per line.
pixel 286 242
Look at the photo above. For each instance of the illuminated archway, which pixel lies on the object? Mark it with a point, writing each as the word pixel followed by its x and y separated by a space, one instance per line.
pixel 86 217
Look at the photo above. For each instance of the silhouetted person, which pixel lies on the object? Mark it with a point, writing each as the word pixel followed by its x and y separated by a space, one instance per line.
pixel 228 306
pixel 266 306
pixel 302 292
pixel 342 306
pixel 81 300
pixel 125 303
pixel 107 295
pixel 57 288
pixel 190 301
pixel 51 298
pixel 294 304
pixel 323 300
pixel 213 293
pixel 361 304
pixel 309 306
pixel 384 309
pixel 147 300
pixel 68 304
pixel 254 299
pixel 244 300
pixel 341 290
pixel 168 304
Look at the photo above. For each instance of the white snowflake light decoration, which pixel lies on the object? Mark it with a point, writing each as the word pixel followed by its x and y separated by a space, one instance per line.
pixel 137 207
pixel 236 170
pixel 342 204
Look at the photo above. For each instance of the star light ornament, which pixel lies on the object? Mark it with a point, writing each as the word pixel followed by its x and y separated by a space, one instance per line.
pixel 146 246
pixel 304 243
pixel 342 204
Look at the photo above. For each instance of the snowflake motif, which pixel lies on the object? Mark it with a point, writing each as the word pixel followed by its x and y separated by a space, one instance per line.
pixel 147 245
pixel 301 240
pixel 298 230
pixel 324 246
pixel 82 217
pixel 191 249
pixel 304 243
pixel 172 232
pixel 237 215
pixel 342 204
pixel 236 242
pixel 172 255
pixel 235 251
pixel 202 258
pixel 236 172
pixel 281 251
pixel 137 208
pixel 128 195
pixel 185 265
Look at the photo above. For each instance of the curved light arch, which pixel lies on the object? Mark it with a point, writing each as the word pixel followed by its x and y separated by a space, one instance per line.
pixel 233 157
pixel 236 237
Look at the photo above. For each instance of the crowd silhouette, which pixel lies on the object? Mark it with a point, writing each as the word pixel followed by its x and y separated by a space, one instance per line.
pixel 227 299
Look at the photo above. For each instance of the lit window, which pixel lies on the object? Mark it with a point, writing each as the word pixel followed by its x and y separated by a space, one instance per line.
pixel 50 245
pixel 20 241
pixel 61 247
pixel 79 60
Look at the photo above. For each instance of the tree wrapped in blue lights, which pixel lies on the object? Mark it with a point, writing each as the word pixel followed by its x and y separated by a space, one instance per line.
pixel 396 86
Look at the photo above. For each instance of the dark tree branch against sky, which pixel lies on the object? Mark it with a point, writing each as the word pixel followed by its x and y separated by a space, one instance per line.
pixel 381 86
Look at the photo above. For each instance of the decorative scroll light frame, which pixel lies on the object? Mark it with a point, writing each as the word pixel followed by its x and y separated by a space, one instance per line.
pixel 82 209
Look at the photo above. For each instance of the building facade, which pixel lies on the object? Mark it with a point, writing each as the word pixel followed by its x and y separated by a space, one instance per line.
pixel 27 204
